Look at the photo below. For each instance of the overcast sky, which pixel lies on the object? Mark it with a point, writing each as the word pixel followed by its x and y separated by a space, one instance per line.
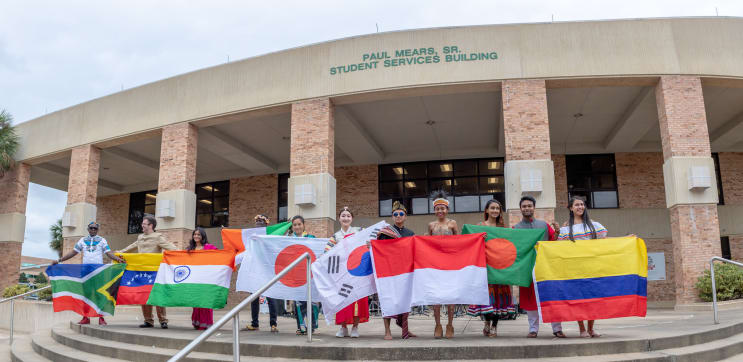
pixel 56 54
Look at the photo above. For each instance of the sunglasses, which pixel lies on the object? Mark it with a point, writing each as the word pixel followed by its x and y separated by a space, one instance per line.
pixel 92 228
pixel 396 214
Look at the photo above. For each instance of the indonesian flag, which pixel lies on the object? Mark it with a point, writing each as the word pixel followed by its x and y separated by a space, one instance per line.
pixel 430 270
pixel 268 255
pixel 344 274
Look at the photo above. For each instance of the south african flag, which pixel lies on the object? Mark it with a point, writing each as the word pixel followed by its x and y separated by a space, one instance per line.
pixel 86 289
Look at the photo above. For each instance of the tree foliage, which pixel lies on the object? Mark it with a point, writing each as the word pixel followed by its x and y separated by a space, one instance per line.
pixel 57 240
pixel 8 142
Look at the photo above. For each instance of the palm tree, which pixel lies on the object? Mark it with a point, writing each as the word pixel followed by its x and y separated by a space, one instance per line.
pixel 8 142
pixel 57 240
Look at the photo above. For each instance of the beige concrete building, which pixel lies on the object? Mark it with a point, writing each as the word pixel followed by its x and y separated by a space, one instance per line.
pixel 644 117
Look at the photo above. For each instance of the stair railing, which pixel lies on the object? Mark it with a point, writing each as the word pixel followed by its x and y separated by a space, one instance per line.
pixel 714 286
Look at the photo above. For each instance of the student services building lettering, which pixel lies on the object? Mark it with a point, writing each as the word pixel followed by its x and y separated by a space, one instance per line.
pixel 413 56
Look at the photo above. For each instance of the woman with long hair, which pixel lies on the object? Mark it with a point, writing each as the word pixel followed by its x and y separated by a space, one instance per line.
pixel 201 318
pixel 442 226
pixel 581 227
pixel 300 308
pixel 501 304
pixel 358 312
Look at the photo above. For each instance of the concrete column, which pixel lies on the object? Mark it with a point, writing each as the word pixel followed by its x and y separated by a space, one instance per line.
pixel 14 186
pixel 527 146
pixel 177 183
pixel 82 191
pixel 312 164
pixel 694 224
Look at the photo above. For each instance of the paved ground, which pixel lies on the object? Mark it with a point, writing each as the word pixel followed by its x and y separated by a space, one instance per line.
pixel 658 324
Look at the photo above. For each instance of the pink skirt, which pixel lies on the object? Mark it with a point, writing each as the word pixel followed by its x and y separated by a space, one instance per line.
pixel 202 318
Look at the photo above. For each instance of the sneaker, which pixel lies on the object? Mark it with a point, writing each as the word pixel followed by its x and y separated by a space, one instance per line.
pixel 164 325
pixel 85 320
pixel 342 332
pixel 102 322
pixel 146 325
pixel 354 332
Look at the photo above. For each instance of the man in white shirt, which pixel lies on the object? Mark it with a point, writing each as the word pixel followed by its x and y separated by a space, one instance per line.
pixel 93 247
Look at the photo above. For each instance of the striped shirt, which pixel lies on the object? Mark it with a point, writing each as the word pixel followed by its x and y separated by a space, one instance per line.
pixel 582 232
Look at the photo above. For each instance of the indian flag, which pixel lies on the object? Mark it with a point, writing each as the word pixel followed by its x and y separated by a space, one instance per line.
pixel 239 239
pixel 199 278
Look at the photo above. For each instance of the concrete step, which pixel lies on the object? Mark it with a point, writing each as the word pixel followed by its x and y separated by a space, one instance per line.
pixel 23 351
pixel 257 344
pixel 44 345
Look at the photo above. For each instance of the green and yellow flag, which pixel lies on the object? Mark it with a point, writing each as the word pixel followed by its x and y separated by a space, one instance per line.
pixel 509 253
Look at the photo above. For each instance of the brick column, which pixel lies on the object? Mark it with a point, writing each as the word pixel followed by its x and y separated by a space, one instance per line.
pixel 177 182
pixel 694 224
pixel 14 186
pixel 82 190
pixel 312 162
pixel 527 146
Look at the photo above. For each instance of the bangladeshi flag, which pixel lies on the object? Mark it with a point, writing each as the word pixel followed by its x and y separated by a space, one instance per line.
pixel 510 253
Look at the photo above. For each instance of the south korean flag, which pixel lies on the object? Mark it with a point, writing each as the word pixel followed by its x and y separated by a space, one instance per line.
pixel 344 274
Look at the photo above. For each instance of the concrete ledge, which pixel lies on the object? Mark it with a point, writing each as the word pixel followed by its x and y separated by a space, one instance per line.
pixel 705 307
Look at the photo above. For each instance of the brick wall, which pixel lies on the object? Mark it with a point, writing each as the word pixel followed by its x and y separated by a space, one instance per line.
pixel 254 195
pixel 662 290
pixel 683 121
pixel 178 158
pixel 113 214
pixel 357 188
pixel 11 263
pixel 696 237
pixel 525 121
pixel 561 180
pixel 640 180
pixel 312 137
pixel 731 174
pixel 83 179
pixel 14 186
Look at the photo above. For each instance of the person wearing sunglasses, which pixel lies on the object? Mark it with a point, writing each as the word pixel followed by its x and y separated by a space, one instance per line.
pixel 397 230
pixel 93 247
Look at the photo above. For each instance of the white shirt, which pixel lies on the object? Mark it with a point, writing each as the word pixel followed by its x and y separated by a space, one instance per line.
pixel 582 232
pixel 92 249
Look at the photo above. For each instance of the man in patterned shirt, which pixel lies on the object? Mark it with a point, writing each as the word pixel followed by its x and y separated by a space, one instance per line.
pixel 93 247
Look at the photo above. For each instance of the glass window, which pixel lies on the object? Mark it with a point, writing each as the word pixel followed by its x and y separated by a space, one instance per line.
pixel 140 203
pixel 283 197
pixel 212 204
pixel 593 177
pixel 725 246
pixel 470 184
pixel 720 196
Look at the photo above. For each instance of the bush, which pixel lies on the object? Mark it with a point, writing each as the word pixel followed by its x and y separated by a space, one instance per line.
pixel 44 294
pixel 728 280
pixel 14 290
pixel 41 279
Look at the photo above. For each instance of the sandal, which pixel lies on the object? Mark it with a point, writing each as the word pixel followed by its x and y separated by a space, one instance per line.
pixel 274 329
pixel 438 332
pixel 449 331
pixel 560 334
pixel 594 334
pixel 493 333
pixel 301 332
pixel 486 332
pixel 584 334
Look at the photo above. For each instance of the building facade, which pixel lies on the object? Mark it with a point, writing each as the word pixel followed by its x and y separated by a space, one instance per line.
pixel 642 117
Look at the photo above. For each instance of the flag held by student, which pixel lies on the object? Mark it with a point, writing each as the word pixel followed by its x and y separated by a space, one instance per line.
pixel 509 253
pixel 267 255
pixel 139 277
pixel 197 278
pixel 591 279
pixel 86 289
pixel 344 274
pixel 238 239
pixel 430 270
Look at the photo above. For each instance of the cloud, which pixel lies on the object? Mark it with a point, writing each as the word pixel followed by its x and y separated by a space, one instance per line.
pixel 45 206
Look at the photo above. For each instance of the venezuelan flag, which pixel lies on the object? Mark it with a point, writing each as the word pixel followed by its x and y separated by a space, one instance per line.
pixel 591 279
pixel 139 277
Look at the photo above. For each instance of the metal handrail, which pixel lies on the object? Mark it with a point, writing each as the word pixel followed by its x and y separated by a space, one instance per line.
pixel 35 266
pixel 12 307
pixel 234 314
pixel 714 286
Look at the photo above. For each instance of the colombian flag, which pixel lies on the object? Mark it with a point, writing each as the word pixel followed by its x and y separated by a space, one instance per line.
pixel 591 279
pixel 139 277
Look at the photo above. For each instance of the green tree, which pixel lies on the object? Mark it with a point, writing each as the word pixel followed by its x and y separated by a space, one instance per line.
pixel 8 142
pixel 57 240
pixel 23 278
pixel 41 279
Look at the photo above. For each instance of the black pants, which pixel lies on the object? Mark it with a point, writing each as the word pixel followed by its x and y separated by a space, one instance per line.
pixel 255 308
pixel 492 318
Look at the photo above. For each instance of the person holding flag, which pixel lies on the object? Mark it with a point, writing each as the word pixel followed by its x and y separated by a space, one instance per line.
pixel 151 242
pixel 262 221
pixel 358 312
pixel 500 295
pixel 201 318
pixel 300 308
pixel 581 227
pixel 527 297
pixel 93 247
pixel 397 230
pixel 442 226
